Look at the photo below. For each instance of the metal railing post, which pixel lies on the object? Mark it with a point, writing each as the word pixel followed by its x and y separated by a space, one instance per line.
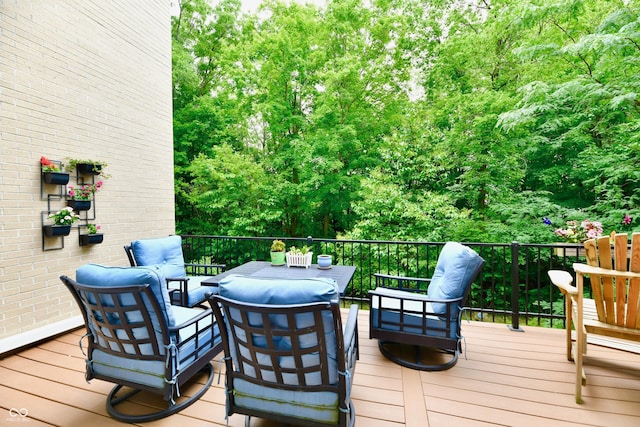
pixel 515 288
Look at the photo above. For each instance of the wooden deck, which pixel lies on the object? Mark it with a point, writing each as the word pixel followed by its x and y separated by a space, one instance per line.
pixel 507 379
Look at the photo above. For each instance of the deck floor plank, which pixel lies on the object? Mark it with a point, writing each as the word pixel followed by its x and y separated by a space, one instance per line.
pixel 505 378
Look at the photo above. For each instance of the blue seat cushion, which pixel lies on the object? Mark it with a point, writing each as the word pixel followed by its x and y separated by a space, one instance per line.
pixel 99 275
pixel 162 251
pixel 412 323
pixel 456 267
pixel 278 291
pixel 320 407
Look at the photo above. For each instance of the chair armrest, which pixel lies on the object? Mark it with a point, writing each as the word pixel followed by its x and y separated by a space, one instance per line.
pixel 205 313
pixel 385 280
pixel 192 267
pixel 389 277
pixel 401 278
pixel 177 279
pixel 588 269
pixel 408 294
pixel 349 328
pixel 563 280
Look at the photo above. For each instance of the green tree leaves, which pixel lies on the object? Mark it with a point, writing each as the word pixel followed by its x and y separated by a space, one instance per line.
pixel 405 119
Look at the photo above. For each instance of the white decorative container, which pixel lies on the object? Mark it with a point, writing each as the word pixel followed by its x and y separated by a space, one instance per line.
pixel 299 260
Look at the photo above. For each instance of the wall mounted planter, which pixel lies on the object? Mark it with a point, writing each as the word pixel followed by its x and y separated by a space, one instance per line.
pixel 58 178
pixel 56 230
pixel 89 169
pixel 91 239
pixel 79 205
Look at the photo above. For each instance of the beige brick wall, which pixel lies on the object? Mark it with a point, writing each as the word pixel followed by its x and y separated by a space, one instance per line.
pixel 79 79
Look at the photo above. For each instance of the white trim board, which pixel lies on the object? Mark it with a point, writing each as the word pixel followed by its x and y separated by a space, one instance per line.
pixel 35 335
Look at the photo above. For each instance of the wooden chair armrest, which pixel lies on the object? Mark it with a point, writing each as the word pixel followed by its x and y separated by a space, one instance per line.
pixel 563 280
pixel 588 269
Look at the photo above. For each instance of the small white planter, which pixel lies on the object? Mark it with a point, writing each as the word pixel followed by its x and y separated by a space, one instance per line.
pixel 294 260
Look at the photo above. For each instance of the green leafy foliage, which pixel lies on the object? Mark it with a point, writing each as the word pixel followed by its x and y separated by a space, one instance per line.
pixel 407 119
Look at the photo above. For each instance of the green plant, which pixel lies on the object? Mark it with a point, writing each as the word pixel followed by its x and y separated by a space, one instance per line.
pixel 65 216
pixel 73 163
pixel 277 246
pixel 47 165
pixel 299 251
pixel 93 228
pixel 84 192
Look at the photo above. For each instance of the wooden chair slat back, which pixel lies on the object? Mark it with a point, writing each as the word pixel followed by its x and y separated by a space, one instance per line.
pixel 617 300
pixel 633 312
pixel 620 257
pixel 596 289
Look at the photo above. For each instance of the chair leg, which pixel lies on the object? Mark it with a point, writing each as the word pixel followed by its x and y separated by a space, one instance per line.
pixel 578 356
pixel 568 309
pixel 113 400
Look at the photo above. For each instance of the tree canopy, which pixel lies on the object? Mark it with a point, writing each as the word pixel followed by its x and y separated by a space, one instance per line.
pixel 406 119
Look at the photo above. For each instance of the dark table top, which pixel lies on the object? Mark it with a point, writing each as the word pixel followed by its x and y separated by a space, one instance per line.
pixel 342 274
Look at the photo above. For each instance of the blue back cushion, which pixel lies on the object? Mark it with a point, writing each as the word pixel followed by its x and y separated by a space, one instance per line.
pixel 284 292
pixel 99 275
pixel 456 267
pixel 164 251
pixel 278 291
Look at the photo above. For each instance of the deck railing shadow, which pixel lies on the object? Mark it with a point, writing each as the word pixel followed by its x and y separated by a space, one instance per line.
pixel 513 287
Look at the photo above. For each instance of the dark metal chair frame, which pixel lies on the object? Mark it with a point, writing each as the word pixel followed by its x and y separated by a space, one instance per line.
pixel 124 336
pixel 183 282
pixel 237 369
pixel 443 335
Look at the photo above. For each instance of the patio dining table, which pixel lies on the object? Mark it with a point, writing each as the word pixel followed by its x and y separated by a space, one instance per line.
pixel 342 274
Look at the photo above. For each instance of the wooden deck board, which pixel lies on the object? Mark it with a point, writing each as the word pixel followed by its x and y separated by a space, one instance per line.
pixel 504 378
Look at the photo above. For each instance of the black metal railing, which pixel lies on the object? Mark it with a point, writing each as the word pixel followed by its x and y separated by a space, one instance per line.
pixel 513 288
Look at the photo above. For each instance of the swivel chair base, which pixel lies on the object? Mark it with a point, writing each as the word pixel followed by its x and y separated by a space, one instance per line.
pixel 113 400
pixel 400 353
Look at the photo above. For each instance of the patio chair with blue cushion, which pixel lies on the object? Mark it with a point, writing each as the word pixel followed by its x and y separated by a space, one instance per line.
pixel 287 356
pixel 417 320
pixel 139 341
pixel 166 252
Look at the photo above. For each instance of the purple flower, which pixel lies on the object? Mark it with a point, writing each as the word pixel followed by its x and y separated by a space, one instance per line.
pixel 546 221
pixel 627 219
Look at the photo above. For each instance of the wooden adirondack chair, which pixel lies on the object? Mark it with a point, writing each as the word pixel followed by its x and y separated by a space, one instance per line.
pixel 614 309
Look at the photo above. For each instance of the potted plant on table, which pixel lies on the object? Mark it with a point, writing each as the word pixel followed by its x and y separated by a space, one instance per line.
pixel 51 173
pixel 277 252
pixel 299 257
pixel 80 198
pixel 92 237
pixel 63 220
